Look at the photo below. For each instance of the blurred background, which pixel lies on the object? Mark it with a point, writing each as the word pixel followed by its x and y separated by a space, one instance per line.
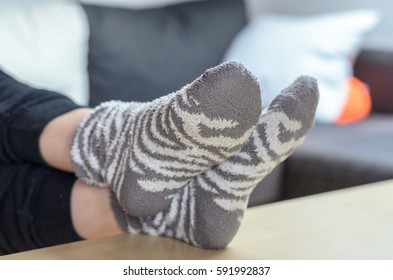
pixel 380 39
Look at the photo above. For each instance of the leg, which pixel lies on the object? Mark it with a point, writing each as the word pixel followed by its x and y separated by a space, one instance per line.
pixel 24 113
pixel 34 207
pixel 208 211
pixel 37 126
pixel 56 138
pixel 41 206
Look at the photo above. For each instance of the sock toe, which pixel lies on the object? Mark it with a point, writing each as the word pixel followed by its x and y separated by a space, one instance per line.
pixel 299 102
pixel 228 92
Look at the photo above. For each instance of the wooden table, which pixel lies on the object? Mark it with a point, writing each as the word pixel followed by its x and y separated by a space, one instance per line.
pixel 354 223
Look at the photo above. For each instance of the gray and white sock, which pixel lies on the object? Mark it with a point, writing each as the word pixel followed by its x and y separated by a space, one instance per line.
pixel 208 211
pixel 145 152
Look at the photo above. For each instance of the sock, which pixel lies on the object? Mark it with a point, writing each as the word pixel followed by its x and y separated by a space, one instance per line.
pixel 145 152
pixel 208 211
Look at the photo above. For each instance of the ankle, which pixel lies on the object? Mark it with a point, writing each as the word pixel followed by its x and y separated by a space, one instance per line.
pixel 91 211
pixel 56 138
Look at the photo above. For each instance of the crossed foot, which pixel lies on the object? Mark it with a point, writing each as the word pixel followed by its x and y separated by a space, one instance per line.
pixel 184 165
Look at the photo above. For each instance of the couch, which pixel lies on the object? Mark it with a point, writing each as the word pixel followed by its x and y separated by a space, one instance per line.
pixel 142 54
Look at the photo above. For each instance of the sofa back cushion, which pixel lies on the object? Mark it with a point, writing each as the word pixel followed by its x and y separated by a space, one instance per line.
pixel 44 44
pixel 375 68
pixel 140 55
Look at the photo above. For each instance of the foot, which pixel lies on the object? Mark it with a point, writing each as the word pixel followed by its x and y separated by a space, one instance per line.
pixel 147 151
pixel 208 211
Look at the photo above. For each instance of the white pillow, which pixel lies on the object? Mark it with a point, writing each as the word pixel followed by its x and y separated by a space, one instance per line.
pixel 278 49
pixel 45 44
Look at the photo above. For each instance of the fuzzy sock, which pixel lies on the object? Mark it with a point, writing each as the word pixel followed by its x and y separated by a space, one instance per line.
pixel 208 211
pixel 146 151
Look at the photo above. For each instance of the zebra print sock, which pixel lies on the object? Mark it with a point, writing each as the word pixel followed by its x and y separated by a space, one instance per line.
pixel 208 211
pixel 145 152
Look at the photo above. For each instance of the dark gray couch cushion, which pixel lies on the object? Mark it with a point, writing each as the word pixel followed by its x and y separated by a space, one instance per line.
pixel 144 54
pixel 269 189
pixel 334 157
